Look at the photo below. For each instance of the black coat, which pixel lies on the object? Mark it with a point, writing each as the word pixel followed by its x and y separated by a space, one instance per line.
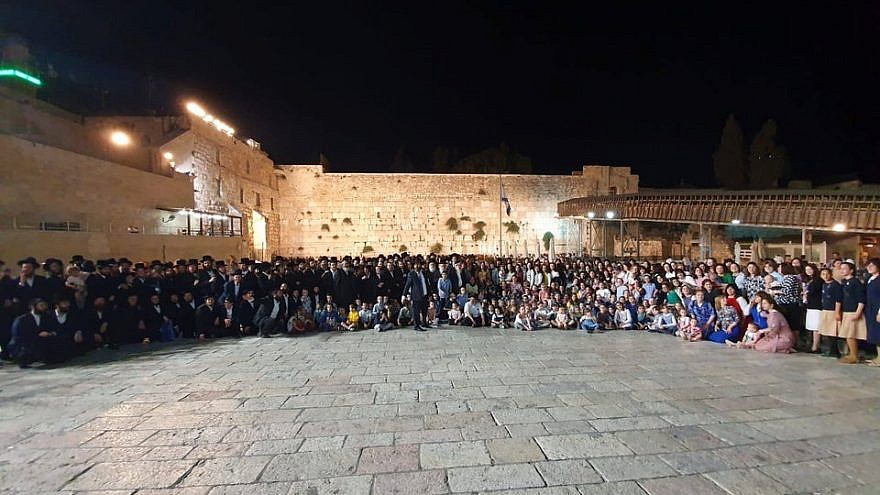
pixel 204 319
pixel 344 288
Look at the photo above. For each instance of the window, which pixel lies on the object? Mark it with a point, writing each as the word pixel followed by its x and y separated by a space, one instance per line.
pixel 258 199
pixel 247 167
pixel 271 203
pixel 612 190
pixel 241 195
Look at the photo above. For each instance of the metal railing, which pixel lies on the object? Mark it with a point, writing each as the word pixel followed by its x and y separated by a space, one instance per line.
pixel 850 211
pixel 195 229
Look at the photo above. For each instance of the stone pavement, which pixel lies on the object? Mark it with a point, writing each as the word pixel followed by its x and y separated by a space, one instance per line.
pixel 448 411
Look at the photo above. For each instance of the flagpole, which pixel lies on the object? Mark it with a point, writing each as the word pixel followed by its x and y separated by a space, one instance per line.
pixel 499 214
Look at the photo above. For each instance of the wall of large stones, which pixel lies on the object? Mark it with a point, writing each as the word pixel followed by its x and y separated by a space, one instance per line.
pixel 40 183
pixel 344 213
pixel 228 172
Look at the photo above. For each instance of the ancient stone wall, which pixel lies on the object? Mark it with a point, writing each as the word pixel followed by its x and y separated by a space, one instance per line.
pixel 350 213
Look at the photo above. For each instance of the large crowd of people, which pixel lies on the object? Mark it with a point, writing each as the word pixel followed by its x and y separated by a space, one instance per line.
pixel 774 305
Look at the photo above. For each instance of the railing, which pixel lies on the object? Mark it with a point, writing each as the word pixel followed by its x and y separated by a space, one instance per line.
pixel 195 229
pixel 813 210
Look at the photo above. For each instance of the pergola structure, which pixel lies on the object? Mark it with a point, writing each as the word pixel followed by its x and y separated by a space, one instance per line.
pixel 805 210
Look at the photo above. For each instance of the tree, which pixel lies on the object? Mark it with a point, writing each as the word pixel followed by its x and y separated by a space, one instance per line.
pixel 401 163
pixel 494 161
pixel 768 162
pixel 729 160
pixel 440 159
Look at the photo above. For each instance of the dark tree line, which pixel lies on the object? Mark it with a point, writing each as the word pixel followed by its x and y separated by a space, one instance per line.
pixel 764 165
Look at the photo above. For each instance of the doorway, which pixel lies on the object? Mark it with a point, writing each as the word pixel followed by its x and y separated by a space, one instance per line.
pixel 258 232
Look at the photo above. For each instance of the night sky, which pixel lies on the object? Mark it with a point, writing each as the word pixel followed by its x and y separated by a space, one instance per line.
pixel 643 86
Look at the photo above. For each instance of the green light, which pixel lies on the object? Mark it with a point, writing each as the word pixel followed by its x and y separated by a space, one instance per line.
pixel 21 75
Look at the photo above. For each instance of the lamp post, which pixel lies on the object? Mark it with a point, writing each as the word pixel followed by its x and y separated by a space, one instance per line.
pixel 590 215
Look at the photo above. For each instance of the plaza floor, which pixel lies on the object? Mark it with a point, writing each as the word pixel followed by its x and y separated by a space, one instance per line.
pixel 448 411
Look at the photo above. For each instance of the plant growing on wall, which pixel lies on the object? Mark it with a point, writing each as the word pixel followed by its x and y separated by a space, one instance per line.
pixel 452 223
pixel 325 227
pixel 548 238
pixel 512 227
pixel 465 218
pixel 479 235
pixel 482 192
pixel 479 225
pixel 346 221
pixel 436 248
pixel 402 248
pixel 336 237
pixel 367 249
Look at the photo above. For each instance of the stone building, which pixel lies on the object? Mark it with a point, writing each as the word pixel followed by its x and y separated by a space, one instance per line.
pixel 185 185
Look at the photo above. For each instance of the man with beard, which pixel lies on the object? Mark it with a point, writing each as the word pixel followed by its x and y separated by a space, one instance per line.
pixel 207 320
pixel 100 283
pixel 126 323
pixel 417 286
pixel 271 317
pixel 33 337
pixel 97 322
pixel 55 288
pixel 344 291
pixel 30 285
pixel 70 330
pixel 247 309
pixel 7 308
pixel 186 317
pixel 154 317
pixel 367 286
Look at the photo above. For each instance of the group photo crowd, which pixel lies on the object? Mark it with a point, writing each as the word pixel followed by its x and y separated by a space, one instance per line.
pixel 53 311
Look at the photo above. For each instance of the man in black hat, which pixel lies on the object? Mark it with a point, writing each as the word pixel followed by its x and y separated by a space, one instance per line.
pixel 30 285
pixel 32 335
pixel 101 283
pixel 247 310
pixel 7 308
pixel 271 316
pixel 207 319
pixel 72 336
pixel 186 317
pixel 54 278
pixel 126 324
pixel 219 279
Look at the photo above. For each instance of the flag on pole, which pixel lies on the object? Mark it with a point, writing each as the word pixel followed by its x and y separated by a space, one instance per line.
pixel 505 200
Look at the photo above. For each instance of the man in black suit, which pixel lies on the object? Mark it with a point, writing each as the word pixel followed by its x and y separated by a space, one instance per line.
pixel 30 285
pixel 154 316
pixel 33 335
pixel 247 310
pixel 186 317
pixel 271 317
pixel 344 285
pixel 229 322
pixel 417 286
pixel 234 289
pixel 206 319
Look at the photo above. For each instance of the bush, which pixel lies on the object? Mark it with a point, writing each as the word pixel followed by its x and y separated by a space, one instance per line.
pixel 452 223
pixel 325 227
pixel 479 225
pixel 479 235
pixel 346 221
pixel 367 249
pixel 512 227
pixel 465 218
pixel 548 236
pixel 402 248
pixel 436 248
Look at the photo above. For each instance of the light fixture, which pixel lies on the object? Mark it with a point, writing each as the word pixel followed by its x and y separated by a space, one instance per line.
pixel 735 221
pixel 197 110
pixel 591 214
pixel 168 155
pixel 869 245
pixel 120 138
pixel 609 215
pixel 839 227
pixel 24 76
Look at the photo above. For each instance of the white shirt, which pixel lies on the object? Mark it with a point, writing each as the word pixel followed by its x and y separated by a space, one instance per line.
pixel 59 316
pixel 36 317
pixel 276 308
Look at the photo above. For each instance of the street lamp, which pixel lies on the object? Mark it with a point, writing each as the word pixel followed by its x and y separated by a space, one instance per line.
pixel 591 215
pixel 839 227
pixel 609 215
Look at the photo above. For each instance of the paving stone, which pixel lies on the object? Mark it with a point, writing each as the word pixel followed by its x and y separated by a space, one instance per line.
pixel 684 485
pixel 348 485
pixel 311 465
pixel 428 482
pixel 389 459
pixel 226 471
pixel 252 489
pixel 696 462
pixel 746 482
pixel 131 475
pixel 612 488
pixel 445 455
pixel 267 447
pixel 650 441
pixel 581 446
pixel 504 477
pixel 810 476
pixel 861 467
pixel 631 468
pixel 514 450
pixel 569 472
pixel 322 443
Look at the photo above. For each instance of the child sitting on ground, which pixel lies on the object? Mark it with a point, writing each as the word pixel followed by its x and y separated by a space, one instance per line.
pixel 753 333
pixel 498 318
pixel 353 319
pixel 433 319
pixel 383 321
pixel 687 328
pixel 588 322
pixel 455 315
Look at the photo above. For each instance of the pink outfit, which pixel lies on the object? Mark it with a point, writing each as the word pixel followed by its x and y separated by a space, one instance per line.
pixel 779 337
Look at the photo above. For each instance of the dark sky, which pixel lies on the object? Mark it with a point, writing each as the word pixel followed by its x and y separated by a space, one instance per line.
pixel 645 86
